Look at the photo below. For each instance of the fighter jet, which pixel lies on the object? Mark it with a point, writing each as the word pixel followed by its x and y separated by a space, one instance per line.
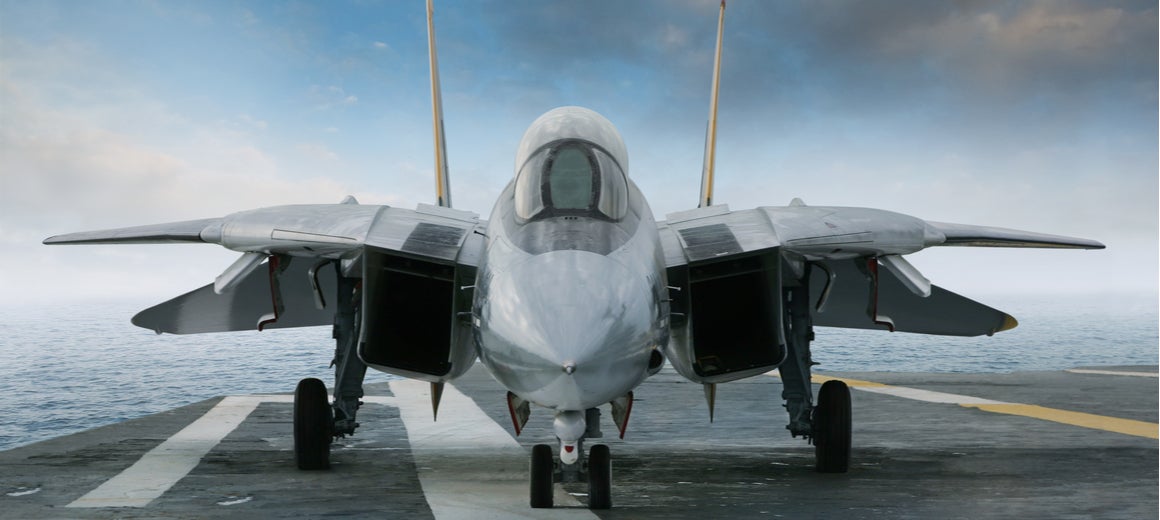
pixel 570 293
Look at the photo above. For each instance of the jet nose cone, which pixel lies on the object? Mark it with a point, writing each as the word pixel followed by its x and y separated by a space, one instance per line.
pixel 568 328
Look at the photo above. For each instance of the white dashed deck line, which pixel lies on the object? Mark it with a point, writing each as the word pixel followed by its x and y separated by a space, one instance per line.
pixel 163 466
pixel 1112 372
pixel 928 396
pixel 904 392
pixel 469 466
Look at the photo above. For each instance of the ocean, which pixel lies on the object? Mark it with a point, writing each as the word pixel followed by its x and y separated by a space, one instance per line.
pixel 69 368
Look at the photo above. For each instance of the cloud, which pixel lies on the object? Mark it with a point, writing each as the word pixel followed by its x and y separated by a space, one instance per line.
pixel 317 151
pixel 247 120
pixel 674 37
pixel 64 167
pixel 85 149
pixel 974 53
pixel 1035 115
pixel 329 97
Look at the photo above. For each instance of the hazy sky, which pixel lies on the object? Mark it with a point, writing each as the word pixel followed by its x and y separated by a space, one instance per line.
pixel 1031 115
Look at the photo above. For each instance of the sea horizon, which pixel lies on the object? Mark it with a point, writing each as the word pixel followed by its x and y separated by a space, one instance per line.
pixel 79 365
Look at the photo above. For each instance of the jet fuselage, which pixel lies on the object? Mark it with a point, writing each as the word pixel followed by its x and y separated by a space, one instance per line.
pixel 570 298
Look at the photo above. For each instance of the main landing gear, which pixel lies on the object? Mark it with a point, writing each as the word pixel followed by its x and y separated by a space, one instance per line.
pixel 317 422
pixel 828 424
pixel 313 423
pixel 572 465
pixel 831 425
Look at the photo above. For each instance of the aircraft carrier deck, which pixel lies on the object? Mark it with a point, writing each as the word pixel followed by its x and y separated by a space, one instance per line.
pixel 1074 444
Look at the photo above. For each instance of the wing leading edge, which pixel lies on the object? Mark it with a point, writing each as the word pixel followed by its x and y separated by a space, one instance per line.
pixel 984 236
pixel 173 232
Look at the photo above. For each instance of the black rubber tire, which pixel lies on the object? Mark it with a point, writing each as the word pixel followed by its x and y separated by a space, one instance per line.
pixel 831 425
pixel 313 425
pixel 541 476
pixel 599 477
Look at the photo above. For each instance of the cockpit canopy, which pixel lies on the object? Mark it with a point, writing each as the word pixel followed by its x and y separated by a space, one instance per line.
pixel 571 161
pixel 571 177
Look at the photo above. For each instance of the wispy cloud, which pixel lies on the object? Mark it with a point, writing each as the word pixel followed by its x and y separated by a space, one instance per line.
pixel 317 151
pixel 331 96
pixel 251 122
pixel 1028 114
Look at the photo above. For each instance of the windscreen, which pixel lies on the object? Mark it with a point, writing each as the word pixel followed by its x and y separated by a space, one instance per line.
pixel 571 177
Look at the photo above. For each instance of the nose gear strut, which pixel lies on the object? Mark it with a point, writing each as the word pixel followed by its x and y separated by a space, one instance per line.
pixel 573 464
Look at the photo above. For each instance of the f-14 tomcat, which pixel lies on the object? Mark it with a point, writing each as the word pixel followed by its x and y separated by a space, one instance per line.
pixel 571 294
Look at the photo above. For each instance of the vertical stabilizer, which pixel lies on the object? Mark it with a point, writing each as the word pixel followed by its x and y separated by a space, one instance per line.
pixel 711 130
pixel 442 185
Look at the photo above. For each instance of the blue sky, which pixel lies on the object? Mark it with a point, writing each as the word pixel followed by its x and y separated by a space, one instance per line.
pixel 1030 115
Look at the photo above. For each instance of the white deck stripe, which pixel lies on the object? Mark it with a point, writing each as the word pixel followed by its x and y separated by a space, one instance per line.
pixel 163 466
pixel 493 485
pixel 1112 372
pixel 927 395
pixel 469 466
pixel 905 392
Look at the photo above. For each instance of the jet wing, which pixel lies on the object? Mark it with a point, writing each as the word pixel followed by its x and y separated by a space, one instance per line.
pixel 841 244
pixel 983 236
pixel 174 232
pixel 298 239
pixel 312 230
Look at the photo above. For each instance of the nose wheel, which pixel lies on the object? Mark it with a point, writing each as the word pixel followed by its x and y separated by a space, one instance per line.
pixel 596 468
pixel 542 469
pixel 599 477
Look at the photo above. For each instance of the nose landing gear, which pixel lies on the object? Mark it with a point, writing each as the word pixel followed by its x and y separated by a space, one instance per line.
pixel 596 468
pixel 599 477
pixel 572 464
pixel 542 470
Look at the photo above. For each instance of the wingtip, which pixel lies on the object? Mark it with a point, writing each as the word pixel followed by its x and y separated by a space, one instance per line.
pixel 1009 322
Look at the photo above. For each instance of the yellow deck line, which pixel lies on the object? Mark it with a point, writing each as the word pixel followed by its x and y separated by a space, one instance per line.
pixel 1085 420
pixel 1135 428
pixel 853 383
